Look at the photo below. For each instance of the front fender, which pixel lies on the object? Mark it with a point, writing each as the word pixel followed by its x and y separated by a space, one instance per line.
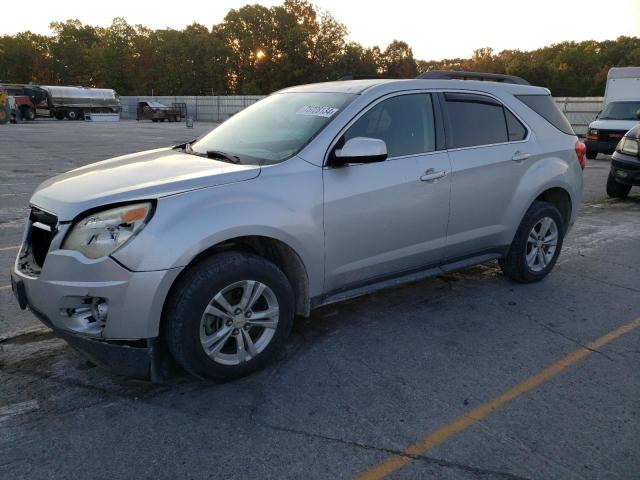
pixel 283 203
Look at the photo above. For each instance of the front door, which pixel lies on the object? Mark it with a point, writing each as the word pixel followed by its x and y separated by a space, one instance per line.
pixel 389 217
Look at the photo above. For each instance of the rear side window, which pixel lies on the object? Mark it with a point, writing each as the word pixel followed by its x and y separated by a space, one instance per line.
pixel 544 106
pixel 516 130
pixel 475 120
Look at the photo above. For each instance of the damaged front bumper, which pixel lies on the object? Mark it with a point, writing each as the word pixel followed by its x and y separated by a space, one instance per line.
pixel 100 307
pixel 140 359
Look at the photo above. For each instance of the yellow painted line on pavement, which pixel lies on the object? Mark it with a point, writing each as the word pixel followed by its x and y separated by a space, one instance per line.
pixel 444 433
pixel 15 247
pixel 3 287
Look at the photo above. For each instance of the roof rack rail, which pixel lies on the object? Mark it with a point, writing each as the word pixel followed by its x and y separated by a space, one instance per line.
pixel 462 75
pixel 365 77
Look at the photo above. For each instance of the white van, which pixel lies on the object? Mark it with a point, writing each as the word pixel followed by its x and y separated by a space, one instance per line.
pixel 621 111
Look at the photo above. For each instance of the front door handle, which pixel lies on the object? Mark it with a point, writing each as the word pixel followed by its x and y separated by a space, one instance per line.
pixel 431 175
pixel 520 156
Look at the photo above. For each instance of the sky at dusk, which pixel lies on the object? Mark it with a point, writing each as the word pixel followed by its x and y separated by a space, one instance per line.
pixel 435 30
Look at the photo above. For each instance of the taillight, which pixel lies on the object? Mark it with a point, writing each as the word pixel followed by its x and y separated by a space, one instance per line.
pixel 581 151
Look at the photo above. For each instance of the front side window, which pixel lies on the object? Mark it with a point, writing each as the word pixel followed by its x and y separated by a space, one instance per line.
pixel 475 120
pixel 621 111
pixel 273 129
pixel 404 122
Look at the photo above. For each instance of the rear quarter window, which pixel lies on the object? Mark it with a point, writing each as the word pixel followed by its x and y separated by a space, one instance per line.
pixel 544 106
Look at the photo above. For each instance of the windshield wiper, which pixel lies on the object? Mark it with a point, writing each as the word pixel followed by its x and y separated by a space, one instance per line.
pixel 214 154
pixel 218 155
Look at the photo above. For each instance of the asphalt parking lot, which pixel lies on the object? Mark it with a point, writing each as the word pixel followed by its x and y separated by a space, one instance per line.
pixel 463 376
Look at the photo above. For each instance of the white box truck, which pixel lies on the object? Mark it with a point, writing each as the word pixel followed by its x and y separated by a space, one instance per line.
pixel 620 113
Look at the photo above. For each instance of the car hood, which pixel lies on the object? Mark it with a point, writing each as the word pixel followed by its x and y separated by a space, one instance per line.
pixel 144 175
pixel 614 124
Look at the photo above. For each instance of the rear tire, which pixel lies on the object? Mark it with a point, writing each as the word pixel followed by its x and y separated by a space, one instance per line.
pixel 536 245
pixel 28 113
pixel 616 189
pixel 591 155
pixel 211 325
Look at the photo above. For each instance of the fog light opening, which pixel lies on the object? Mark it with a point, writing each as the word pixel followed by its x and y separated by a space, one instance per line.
pixel 85 314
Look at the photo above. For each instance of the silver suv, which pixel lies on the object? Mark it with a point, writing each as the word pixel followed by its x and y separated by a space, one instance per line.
pixel 204 252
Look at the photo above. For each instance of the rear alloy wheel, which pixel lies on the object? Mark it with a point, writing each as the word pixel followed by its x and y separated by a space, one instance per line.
pixel 228 315
pixel 536 245
pixel 541 244
pixel 616 189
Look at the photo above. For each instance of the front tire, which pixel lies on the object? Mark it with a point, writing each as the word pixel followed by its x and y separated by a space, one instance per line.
pixel 616 189
pixel 536 245
pixel 228 315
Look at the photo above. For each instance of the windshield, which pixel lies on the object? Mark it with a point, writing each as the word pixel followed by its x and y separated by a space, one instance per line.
pixel 274 128
pixel 621 111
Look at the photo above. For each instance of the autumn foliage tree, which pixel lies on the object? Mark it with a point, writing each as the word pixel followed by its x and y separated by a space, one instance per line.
pixel 258 49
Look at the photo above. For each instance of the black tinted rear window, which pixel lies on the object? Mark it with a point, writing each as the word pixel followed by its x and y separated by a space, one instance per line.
pixel 475 122
pixel 544 106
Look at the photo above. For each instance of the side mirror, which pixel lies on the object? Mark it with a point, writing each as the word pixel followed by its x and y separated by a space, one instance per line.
pixel 360 150
pixel 638 114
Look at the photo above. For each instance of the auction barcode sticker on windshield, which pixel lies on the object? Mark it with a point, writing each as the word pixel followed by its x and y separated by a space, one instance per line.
pixel 317 111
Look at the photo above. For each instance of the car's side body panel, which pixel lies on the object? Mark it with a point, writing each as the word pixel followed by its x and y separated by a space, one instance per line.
pixel 288 208
pixel 381 218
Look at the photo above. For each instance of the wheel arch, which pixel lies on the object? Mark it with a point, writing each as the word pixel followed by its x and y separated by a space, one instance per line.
pixel 277 251
pixel 561 199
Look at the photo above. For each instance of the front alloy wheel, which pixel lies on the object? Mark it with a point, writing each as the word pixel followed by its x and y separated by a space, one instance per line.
pixel 228 315
pixel 239 322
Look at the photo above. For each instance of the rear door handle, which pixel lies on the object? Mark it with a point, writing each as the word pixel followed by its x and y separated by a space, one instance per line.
pixel 520 156
pixel 431 175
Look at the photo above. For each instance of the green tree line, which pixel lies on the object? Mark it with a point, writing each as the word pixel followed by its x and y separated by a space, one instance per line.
pixel 257 50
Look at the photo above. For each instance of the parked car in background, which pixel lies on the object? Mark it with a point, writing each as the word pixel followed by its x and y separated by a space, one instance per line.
pixel 313 195
pixel 620 113
pixel 158 112
pixel 625 165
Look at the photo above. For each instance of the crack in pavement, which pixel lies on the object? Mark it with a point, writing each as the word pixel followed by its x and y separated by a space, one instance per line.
pixel 531 318
pixel 423 458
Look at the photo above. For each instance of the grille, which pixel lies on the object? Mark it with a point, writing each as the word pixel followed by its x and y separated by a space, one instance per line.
pixel 41 232
pixel 611 135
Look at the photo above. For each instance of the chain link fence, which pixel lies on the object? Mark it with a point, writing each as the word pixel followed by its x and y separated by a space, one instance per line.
pixel 579 110
pixel 201 109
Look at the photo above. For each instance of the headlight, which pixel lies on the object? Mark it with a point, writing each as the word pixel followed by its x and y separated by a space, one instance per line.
pixel 101 233
pixel 628 146
pixel 593 131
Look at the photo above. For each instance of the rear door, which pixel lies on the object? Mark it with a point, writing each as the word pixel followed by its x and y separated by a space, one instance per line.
pixel 489 151
pixel 388 217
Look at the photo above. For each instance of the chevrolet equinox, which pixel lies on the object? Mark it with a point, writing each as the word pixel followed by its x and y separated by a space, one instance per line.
pixel 204 252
